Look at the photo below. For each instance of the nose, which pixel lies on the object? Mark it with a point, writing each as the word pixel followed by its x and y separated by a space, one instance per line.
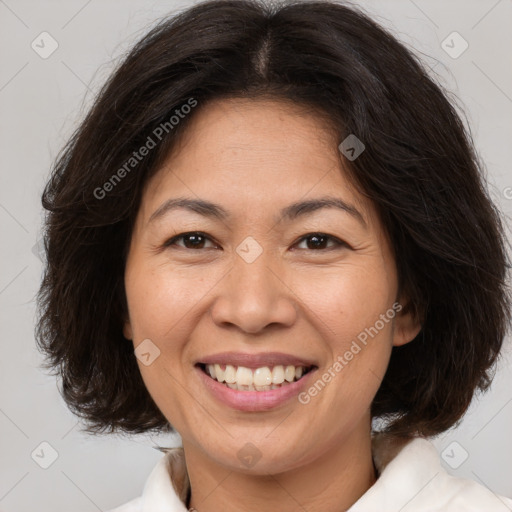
pixel 254 296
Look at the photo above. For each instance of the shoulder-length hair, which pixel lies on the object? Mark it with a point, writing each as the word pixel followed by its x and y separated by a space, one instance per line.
pixel 419 169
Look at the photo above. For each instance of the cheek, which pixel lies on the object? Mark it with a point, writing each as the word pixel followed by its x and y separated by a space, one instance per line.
pixel 159 304
pixel 158 299
pixel 349 305
pixel 350 298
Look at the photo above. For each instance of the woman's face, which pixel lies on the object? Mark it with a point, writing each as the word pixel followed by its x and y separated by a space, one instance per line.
pixel 266 290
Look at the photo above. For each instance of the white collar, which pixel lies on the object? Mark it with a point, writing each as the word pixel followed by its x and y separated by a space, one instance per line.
pixel 411 478
pixel 167 486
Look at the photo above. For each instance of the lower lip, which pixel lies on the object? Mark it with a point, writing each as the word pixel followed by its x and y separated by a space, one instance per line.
pixel 254 400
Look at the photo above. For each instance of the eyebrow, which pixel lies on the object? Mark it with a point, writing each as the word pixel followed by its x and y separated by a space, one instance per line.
pixel 290 213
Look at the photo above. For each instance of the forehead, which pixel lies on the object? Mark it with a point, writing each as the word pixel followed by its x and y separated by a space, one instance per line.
pixel 255 155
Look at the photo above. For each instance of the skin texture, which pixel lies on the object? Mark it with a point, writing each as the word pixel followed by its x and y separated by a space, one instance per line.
pixel 255 157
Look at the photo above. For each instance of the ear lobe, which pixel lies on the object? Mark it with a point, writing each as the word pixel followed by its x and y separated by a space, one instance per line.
pixel 407 326
pixel 127 330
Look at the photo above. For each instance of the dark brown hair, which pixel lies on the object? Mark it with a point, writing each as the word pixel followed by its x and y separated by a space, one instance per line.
pixel 419 168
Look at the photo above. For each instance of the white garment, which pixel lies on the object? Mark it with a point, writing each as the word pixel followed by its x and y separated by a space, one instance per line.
pixel 411 478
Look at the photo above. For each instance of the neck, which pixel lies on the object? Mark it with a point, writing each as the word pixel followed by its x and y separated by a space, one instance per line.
pixel 331 482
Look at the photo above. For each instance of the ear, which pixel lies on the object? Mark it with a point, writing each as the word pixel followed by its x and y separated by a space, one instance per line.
pixel 407 323
pixel 127 330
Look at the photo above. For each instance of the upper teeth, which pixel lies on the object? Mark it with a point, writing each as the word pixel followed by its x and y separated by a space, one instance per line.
pixel 263 376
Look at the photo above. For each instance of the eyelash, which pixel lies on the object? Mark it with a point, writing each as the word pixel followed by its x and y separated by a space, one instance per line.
pixel 339 243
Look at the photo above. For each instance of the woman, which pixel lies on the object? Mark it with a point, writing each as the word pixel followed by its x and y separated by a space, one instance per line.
pixel 271 230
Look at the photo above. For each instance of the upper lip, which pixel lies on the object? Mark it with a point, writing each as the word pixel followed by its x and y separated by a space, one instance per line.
pixel 256 360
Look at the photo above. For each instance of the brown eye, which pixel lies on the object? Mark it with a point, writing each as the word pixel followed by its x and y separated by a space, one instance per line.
pixel 319 241
pixel 192 240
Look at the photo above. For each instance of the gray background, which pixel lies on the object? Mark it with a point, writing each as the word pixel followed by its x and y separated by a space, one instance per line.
pixel 41 101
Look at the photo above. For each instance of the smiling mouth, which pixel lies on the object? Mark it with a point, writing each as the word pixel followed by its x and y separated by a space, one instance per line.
pixel 266 378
